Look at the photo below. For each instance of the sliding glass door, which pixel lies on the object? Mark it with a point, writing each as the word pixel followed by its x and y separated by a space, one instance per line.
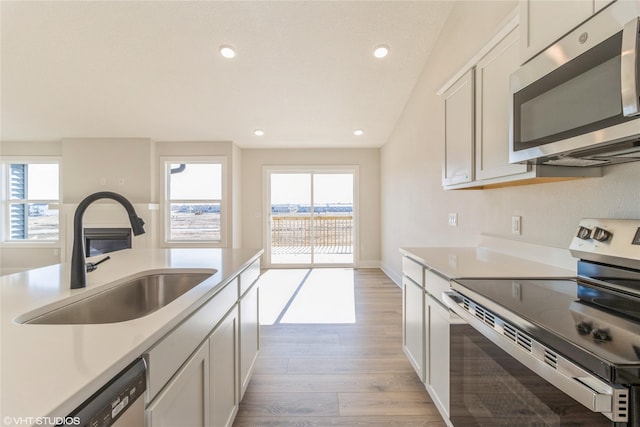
pixel 311 217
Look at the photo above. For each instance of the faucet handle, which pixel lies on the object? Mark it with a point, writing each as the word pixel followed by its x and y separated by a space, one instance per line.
pixel 92 266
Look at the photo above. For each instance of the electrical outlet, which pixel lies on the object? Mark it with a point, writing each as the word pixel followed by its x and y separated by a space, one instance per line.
pixel 516 225
pixel 453 219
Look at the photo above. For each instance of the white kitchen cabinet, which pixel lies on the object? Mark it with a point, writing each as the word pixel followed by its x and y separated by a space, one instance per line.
pixel 196 371
pixel 223 371
pixel 413 324
pixel 413 270
pixel 166 356
pixel 543 22
pixel 249 334
pixel 426 341
pixel 477 122
pixel 458 131
pixel 185 400
pixel 439 344
pixel 492 97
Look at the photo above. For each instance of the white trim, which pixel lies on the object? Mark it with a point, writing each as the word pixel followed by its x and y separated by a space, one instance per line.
pixel 395 278
pixel 5 241
pixel 224 202
pixel 267 170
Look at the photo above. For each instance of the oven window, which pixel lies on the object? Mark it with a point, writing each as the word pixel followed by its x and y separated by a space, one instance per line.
pixel 491 388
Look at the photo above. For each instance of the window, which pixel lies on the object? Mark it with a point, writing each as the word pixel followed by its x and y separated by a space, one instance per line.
pixel 194 207
pixel 32 194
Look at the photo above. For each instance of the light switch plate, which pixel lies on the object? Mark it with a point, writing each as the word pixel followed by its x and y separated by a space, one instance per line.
pixel 453 219
pixel 516 225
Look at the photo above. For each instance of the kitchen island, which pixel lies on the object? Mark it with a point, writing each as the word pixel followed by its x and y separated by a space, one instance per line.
pixel 48 370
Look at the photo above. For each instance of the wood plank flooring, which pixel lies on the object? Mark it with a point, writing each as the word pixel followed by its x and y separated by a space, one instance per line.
pixel 343 374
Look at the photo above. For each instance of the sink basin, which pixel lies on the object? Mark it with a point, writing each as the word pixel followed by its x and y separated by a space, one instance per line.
pixel 127 301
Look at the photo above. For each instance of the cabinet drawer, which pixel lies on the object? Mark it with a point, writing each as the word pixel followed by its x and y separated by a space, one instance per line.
pixel 170 353
pixel 413 270
pixel 435 285
pixel 248 276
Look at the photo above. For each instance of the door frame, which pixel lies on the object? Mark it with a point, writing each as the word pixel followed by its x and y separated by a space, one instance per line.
pixel 317 169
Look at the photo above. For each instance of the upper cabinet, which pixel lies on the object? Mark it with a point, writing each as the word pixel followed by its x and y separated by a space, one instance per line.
pixel 477 101
pixel 492 98
pixel 543 22
pixel 458 131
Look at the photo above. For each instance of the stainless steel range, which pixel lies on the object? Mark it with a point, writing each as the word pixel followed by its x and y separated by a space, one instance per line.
pixel 580 334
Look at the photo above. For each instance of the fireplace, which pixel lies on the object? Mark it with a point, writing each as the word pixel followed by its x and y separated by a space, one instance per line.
pixel 104 240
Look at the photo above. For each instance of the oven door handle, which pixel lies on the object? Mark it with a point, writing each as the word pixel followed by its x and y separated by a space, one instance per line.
pixel 629 68
pixel 583 387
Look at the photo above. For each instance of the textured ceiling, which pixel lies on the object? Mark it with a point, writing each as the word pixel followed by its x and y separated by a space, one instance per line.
pixel 304 73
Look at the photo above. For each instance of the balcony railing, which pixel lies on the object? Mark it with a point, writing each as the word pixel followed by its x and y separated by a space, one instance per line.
pixel 333 233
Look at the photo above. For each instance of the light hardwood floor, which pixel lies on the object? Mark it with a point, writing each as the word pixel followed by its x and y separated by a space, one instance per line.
pixel 338 374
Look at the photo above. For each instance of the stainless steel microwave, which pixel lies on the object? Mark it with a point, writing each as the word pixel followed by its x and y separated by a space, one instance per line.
pixel 577 103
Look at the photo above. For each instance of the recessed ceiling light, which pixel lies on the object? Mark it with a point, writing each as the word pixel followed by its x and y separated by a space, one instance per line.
pixel 258 132
pixel 381 51
pixel 227 51
pixel 358 132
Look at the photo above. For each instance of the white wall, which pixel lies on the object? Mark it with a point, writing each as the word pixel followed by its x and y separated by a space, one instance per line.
pixel 414 206
pixel 129 166
pixel 253 161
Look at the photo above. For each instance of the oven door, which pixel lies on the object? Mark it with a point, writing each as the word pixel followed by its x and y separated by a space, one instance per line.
pixel 491 387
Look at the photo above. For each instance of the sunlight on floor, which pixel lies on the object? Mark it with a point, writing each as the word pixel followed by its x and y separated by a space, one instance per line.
pixel 307 296
pixel 276 289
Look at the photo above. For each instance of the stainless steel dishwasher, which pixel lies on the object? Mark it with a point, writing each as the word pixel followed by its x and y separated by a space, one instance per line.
pixel 120 402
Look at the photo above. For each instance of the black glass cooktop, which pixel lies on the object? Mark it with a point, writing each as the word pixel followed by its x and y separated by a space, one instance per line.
pixel 549 310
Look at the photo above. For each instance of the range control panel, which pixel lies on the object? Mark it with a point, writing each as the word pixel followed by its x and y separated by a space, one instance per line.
pixel 614 241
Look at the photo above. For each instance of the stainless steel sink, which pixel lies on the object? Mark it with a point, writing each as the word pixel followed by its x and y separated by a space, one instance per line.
pixel 130 300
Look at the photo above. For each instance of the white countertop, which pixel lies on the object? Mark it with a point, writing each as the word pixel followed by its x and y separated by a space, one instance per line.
pixel 459 262
pixel 48 370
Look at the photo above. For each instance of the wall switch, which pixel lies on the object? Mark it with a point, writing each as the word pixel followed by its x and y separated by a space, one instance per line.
pixel 516 225
pixel 453 219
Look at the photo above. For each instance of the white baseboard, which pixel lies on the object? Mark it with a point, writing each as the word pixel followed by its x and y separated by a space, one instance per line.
pixel 396 278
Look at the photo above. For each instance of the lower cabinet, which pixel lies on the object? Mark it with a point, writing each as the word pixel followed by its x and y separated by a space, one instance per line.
pixel 223 371
pixel 439 337
pixel 426 335
pixel 413 325
pixel 198 372
pixel 185 400
pixel 249 335
pixel 204 391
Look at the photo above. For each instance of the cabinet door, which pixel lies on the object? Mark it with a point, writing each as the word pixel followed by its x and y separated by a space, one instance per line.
pixel 427 339
pixel 223 371
pixel 413 324
pixel 249 335
pixel 458 132
pixel 544 22
pixel 185 399
pixel 492 109
pixel 439 354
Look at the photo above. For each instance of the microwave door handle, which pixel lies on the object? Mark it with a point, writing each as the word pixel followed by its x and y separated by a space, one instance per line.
pixel 629 68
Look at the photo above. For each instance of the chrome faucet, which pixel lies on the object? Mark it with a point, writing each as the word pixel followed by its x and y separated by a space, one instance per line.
pixel 78 261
